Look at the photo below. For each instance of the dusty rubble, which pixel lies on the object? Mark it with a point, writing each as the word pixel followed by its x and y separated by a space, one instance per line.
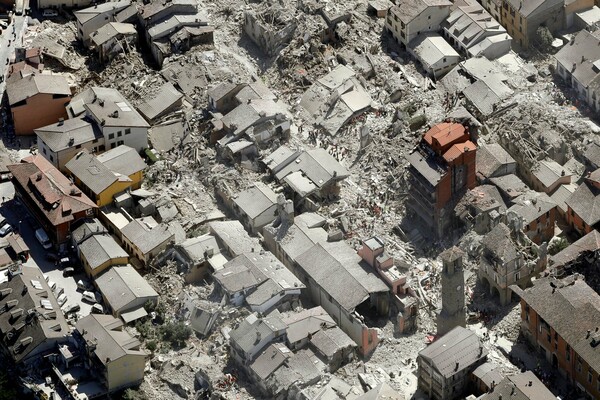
pixel 538 120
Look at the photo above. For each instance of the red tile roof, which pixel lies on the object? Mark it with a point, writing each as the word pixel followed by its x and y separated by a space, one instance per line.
pixel 54 194
pixel 458 149
pixel 445 133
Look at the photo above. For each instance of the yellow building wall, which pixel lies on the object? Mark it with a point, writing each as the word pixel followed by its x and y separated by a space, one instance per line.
pixel 126 371
pixel 106 197
pixel 136 180
pixel 103 267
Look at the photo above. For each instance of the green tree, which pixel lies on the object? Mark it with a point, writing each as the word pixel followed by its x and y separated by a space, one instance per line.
pixel 175 333
pixel 7 388
pixel 544 37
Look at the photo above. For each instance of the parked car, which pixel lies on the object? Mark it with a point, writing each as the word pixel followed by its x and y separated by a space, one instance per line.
pixel 71 308
pixel 84 285
pixel 52 285
pixel 90 297
pixel 49 13
pixel 62 299
pixel 69 271
pixel 97 309
pixel 5 230
pixel 58 291
pixel 50 256
pixel 43 238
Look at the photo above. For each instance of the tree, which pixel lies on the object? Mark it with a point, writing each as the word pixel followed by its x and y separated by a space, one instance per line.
pixel 544 37
pixel 7 388
pixel 175 333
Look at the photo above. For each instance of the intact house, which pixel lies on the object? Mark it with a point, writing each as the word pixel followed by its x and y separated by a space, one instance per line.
pixel 144 238
pixel 58 4
pixel 90 19
pixel 446 365
pixel 260 280
pixel 522 19
pixel 126 292
pixel 583 206
pixel 253 334
pixel 434 53
pixel 310 176
pixel 112 39
pixel 32 324
pixel 55 202
pixel 59 142
pixel 410 18
pixel 232 238
pixel 173 27
pixel 37 100
pixel 474 32
pixel 256 206
pixel 504 262
pixel 110 353
pixel 105 176
pixel 441 169
pixel 116 118
pixel 354 296
pixel 560 318
pixel 97 250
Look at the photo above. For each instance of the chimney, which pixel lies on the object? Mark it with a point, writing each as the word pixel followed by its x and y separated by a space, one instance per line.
pixel 589 332
pixel 101 102
pixel 61 121
pixel 456 367
pixel 530 383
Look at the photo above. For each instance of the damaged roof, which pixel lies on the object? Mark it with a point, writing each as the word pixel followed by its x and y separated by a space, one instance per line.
pixel 585 202
pixel 161 103
pixel 581 57
pixel 408 10
pixel 492 160
pixel 584 245
pixel 110 31
pixel 317 165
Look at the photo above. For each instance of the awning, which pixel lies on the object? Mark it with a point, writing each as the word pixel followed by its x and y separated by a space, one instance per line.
pixel 133 315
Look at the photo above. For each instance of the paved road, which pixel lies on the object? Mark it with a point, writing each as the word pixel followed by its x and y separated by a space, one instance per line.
pixel 19 24
pixel 25 224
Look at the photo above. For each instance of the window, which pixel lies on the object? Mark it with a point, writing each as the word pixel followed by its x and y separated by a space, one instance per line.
pixel 95 141
pixel 51 158
pixel 111 136
pixel 590 376
pixel 119 134
pixel 444 59
pixel 113 145
pixel 127 131
pixel 120 142
pixel 517 276
pixel 78 146
pixel 44 150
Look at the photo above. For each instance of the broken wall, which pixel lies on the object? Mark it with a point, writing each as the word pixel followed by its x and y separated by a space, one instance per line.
pixel 271 39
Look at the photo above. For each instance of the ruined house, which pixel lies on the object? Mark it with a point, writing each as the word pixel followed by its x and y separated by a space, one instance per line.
pixel 481 209
pixel 271 27
pixel 409 18
pixel 373 253
pixel 90 19
pixel 173 27
pixel 441 169
pixel 506 261
pixel 112 39
pixel 253 334
pixel 493 161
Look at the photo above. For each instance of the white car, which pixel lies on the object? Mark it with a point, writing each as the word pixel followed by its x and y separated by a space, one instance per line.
pixel 58 290
pixel 84 285
pixel 62 299
pixel 52 285
pixel 49 13
pixel 90 297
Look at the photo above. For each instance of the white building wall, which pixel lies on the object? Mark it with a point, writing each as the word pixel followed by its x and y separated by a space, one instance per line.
pixel 137 138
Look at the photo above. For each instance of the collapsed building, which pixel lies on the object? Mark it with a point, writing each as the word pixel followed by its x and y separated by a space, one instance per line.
pixel 173 27
pixel 271 27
